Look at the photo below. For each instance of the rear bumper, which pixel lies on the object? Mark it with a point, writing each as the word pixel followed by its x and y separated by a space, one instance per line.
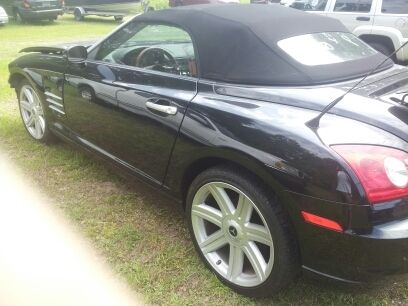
pixel 365 258
pixel 42 14
pixel 362 253
pixel 4 19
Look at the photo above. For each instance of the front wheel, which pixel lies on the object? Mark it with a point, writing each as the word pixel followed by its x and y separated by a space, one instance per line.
pixel 32 112
pixel 241 232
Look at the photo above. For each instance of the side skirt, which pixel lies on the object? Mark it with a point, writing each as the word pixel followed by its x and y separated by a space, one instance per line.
pixel 115 163
pixel 335 278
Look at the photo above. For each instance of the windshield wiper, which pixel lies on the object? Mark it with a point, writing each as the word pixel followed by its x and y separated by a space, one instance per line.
pixel 314 123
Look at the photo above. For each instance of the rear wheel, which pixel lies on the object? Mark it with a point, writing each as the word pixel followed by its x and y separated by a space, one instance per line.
pixel 32 112
pixel 241 233
pixel 118 18
pixel 78 15
pixel 17 17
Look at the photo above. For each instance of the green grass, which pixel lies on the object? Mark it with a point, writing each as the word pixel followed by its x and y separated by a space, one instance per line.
pixel 141 235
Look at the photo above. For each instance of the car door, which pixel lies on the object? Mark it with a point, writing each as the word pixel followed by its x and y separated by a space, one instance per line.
pixel 128 101
pixel 394 14
pixel 353 13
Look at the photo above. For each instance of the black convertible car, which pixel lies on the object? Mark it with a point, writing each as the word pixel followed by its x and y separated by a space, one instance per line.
pixel 224 108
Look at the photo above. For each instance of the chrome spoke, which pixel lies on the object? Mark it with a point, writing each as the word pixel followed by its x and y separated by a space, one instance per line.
pixel 258 233
pixel 30 120
pixel 213 242
pixel 244 209
pixel 235 262
pixel 256 259
pixel 26 106
pixel 208 213
pixel 222 199
pixel 238 237
pixel 29 96
pixel 40 111
pixel 42 122
pixel 38 130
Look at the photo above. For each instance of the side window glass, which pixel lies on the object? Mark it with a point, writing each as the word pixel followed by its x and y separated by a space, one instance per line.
pixel 151 46
pixel 311 5
pixel 394 7
pixel 358 6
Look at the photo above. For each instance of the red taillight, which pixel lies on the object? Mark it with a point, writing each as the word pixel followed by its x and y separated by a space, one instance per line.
pixel 382 171
pixel 320 221
pixel 26 4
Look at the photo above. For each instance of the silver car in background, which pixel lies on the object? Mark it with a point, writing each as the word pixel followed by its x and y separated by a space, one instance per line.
pixel 383 24
pixel 3 16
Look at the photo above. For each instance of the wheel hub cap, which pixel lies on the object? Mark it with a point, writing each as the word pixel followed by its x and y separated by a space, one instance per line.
pixel 233 231
pixel 232 234
pixel 32 112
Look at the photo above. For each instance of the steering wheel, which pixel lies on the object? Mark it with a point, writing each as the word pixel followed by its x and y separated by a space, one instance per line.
pixel 156 59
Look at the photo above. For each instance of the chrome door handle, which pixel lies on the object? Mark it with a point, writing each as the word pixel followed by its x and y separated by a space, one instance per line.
pixel 165 109
pixel 363 18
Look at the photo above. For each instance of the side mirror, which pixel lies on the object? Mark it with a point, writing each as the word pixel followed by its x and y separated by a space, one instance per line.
pixel 77 54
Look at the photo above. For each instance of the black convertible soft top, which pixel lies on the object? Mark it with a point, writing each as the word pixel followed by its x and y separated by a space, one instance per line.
pixel 238 43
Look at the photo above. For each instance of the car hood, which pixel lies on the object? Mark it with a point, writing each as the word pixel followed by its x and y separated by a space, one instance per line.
pixel 378 101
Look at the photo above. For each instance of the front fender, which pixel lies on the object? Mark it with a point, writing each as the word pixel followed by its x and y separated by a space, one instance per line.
pixel 18 74
pixel 46 74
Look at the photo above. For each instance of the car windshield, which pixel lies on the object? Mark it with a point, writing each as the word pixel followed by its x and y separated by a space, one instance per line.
pixel 154 34
pixel 325 48
pixel 141 34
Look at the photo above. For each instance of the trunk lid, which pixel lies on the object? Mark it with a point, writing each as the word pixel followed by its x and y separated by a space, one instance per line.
pixel 378 101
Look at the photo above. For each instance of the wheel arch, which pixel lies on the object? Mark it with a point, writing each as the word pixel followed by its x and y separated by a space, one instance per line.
pixel 382 39
pixel 247 165
pixel 17 76
pixel 388 34
pixel 15 79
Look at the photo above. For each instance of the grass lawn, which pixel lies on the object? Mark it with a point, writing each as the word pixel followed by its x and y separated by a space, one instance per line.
pixel 140 234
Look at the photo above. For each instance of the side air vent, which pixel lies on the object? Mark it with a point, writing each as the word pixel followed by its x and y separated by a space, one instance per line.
pixel 55 103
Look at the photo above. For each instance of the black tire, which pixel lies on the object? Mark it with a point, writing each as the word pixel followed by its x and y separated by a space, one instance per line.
pixel 47 137
pixel 78 15
pixel 118 18
pixel 382 48
pixel 149 9
pixel 286 265
pixel 17 17
pixel 52 19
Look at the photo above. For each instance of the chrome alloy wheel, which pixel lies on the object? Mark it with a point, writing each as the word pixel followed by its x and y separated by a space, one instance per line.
pixel 32 112
pixel 232 234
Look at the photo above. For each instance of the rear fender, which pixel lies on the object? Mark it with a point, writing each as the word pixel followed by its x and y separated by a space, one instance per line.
pixel 392 33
